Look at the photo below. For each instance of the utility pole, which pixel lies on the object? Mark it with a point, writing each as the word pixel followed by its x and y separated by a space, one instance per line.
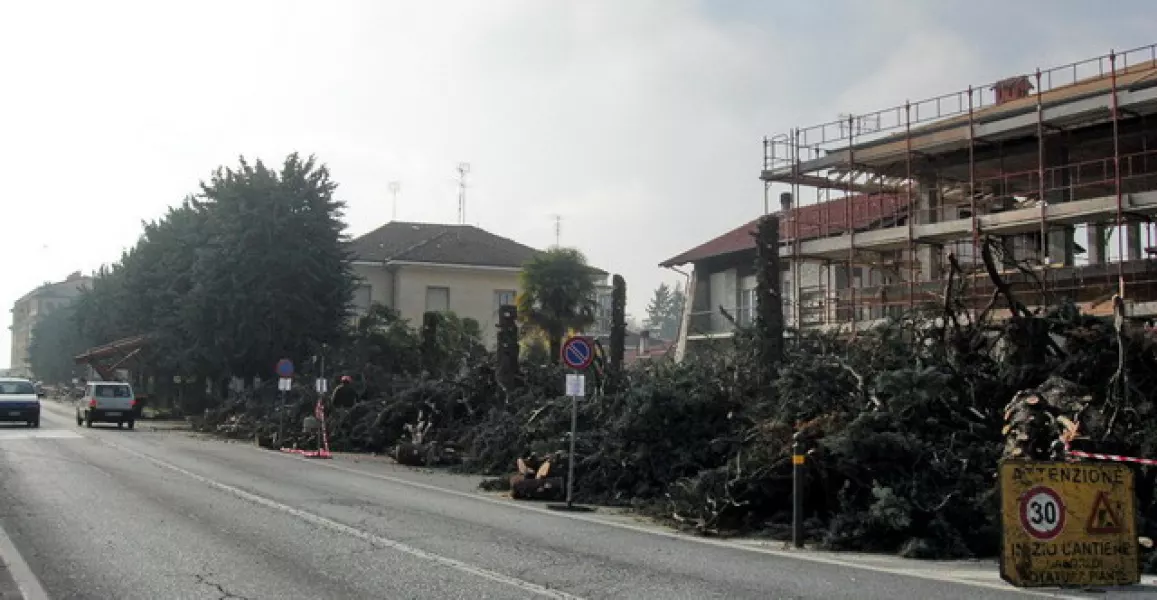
pixel 395 187
pixel 463 169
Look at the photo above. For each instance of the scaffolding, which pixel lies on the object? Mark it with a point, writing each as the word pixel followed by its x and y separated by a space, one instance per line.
pixel 907 197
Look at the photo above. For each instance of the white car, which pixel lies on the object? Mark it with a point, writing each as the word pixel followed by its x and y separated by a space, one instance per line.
pixel 107 402
pixel 19 401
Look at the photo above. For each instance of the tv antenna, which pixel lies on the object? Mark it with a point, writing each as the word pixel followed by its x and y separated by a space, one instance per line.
pixel 463 169
pixel 395 187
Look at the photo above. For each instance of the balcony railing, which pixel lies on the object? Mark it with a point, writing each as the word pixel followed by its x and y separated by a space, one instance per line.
pixel 819 307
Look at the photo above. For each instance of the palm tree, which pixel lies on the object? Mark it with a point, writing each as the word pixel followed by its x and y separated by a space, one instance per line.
pixel 558 295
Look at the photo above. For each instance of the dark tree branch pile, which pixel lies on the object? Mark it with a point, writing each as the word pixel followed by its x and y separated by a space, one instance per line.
pixel 904 424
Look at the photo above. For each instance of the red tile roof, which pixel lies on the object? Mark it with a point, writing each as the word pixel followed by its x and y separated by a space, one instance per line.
pixel 811 221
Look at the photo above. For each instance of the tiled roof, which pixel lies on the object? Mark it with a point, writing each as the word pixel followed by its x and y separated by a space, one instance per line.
pixel 811 221
pixel 437 243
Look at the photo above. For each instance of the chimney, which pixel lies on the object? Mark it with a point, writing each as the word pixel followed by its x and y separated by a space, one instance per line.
pixel 785 201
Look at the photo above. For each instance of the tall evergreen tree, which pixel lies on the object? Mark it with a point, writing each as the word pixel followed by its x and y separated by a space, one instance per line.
pixel 56 339
pixel 274 276
pixel 665 311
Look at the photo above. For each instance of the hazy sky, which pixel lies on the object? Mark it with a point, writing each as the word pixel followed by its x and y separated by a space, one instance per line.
pixel 638 121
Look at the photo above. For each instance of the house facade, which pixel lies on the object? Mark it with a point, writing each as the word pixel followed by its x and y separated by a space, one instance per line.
pixel 722 284
pixel 34 306
pixel 419 267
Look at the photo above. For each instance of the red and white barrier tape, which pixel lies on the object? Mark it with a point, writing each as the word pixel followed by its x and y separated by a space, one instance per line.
pixel 1110 457
pixel 323 452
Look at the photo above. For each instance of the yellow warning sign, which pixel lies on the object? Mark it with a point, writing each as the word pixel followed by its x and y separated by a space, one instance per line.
pixel 1067 524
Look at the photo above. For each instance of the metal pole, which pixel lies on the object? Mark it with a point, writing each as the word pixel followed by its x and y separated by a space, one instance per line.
pixel 1041 162
pixel 1120 222
pixel 849 216
pixel 570 459
pixel 281 422
pixel 909 207
pixel 797 459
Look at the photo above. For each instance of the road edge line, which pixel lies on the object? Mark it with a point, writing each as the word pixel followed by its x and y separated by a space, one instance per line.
pixel 27 583
pixel 829 560
pixel 340 527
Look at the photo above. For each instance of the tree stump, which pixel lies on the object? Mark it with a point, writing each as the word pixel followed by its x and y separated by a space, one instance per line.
pixel 411 455
pixel 550 488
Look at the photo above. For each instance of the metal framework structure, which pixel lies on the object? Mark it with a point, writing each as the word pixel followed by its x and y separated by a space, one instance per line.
pixel 905 197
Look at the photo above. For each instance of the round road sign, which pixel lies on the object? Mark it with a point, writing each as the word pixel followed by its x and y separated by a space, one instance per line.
pixel 578 353
pixel 285 368
pixel 1042 513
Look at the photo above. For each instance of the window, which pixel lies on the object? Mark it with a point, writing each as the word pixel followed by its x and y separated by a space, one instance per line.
pixel 363 296
pixel 112 391
pixel 17 387
pixel 437 299
pixel 745 315
pixel 503 297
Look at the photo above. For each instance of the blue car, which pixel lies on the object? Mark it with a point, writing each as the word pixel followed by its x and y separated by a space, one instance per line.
pixel 19 401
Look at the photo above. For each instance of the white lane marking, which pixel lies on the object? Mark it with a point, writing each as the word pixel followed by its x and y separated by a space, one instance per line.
pixel 22 574
pixel 828 560
pixel 358 533
pixel 41 434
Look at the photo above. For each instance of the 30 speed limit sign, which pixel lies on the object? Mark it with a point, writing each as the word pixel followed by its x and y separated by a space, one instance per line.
pixel 1042 513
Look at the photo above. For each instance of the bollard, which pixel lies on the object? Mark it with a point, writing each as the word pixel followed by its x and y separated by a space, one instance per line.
pixel 797 474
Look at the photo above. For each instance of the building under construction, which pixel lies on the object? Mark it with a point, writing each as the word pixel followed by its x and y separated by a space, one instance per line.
pixel 1054 171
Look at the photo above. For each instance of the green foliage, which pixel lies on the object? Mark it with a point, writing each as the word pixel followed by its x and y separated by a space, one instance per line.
pixel 665 311
pixel 56 339
pixel 380 345
pixel 274 278
pixel 251 269
pixel 558 294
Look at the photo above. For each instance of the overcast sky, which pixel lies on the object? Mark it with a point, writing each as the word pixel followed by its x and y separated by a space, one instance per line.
pixel 638 121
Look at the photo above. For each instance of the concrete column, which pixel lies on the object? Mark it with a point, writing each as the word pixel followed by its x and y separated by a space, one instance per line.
pixel 1096 244
pixel 927 211
pixel 1132 241
pixel 931 260
pixel 1061 248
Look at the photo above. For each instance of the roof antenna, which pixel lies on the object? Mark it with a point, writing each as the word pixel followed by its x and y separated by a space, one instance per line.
pixel 463 169
pixel 395 187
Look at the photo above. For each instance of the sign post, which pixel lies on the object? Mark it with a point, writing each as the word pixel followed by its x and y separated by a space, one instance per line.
pixel 284 371
pixel 577 353
pixel 1067 524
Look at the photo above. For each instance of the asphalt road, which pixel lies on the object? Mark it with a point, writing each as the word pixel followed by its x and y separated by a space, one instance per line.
pixel 107 513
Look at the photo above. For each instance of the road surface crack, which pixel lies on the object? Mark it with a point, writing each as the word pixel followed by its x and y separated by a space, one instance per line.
pixel 225 594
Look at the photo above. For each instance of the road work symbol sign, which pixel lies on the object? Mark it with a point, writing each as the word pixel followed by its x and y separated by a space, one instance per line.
pixel 1067 524
pixel 1104 518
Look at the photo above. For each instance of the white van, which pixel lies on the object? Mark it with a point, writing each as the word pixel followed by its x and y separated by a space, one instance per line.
pixel 107 402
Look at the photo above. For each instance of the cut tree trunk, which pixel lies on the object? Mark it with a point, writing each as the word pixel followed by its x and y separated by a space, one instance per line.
pixel 411 455
pixel 523 488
